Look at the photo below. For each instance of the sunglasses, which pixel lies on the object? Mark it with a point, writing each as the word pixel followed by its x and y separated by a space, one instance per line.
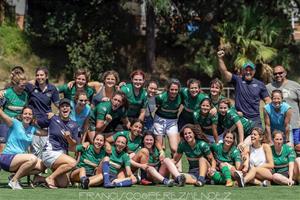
pixel 278 73
pixel 83 100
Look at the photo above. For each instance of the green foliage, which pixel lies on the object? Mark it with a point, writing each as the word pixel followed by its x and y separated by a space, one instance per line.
pixel 95 54
pixel 13 41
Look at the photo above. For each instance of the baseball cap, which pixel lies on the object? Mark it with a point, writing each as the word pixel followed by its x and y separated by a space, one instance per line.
pixel 64 101
pixel 249 64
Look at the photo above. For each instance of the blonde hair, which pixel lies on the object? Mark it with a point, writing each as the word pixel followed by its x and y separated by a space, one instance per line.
pixel 17 78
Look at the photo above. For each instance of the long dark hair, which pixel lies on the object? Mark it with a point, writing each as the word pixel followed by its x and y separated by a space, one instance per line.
pixel 196 130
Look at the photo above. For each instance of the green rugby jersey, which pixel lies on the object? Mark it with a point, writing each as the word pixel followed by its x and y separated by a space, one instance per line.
pixel 190 104
pixel 132 145
pixel 118 161
pixel 205 122
pixel 70 93
pixel 89 156
pixel 136 103
pixel 165 107
pixel 193 155
pixel 16 100
pixel 231 157
pixel 281 161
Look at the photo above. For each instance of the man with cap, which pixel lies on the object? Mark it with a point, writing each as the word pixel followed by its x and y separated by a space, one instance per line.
pixel 248 90
pixel 290 92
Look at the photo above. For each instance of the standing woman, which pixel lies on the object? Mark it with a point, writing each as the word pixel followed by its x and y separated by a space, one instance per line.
pixel 216 88
pixel 63 134
pixel 207 121
pixel 108 114
pixel 81 78
pixel 191 99
pixel 105 91
pixel 151 92
pixel 228 159
pixel 260 159
pixel 41 95
pixel 286 170
pixel 15 158
pixel 14 99
pixel 136 95
pixel 165 120
pixel 278 116
pixel 198 154
pixel 229 119
pixel 80 113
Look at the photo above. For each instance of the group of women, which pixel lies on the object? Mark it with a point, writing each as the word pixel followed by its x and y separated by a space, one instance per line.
pixel 118 132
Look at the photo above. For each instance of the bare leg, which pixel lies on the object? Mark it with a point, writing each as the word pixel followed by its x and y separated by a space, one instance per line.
pixel 96 180
pixel 22 164
pixel 62 165
pixel 280 179
pixel 174 141
pixel 171 167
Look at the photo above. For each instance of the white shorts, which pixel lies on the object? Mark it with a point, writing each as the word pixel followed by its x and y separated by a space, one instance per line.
pixel 164 126
pixel 49 156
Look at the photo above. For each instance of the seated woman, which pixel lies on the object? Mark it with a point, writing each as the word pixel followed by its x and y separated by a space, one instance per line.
pixel 133 136
pixel 108 114
pixel 120 171
pixel 93 166
pixel 229 119
pixel 80 112
pixel 15 158
pixel 278 116
pixel 260 159
pixel 228 159
pixel 207 122
pixel 198 154
pixel 155 167
pixel 63 134
pixel 286 170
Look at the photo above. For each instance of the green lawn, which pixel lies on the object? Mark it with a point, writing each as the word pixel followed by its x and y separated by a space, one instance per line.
pixel 208 192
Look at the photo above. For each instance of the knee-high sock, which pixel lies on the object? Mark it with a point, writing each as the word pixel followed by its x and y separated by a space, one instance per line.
pixel 226 172
pixel 105 171
pixel 124 183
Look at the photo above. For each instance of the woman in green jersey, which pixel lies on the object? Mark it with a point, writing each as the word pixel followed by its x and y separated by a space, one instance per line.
pixel 198 153
pixel 154 166
pixel 93 166
pixel 286 170
pixel 228 159
pixel 208 122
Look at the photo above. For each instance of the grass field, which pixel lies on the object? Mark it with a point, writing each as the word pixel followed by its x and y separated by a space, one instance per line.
pixel 208 192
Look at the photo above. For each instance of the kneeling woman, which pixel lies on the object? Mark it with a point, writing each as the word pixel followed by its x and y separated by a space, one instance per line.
pixel 15 158
pixel 198 154
pixel 228 158
pixel 63 133
pixel 285 170
pixel 155 167
pixel 120 171
pixel 133 137
pixel 93 164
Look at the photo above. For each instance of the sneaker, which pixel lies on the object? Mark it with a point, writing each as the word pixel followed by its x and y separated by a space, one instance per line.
pixel 85 183
pixel 266 183
pixel 169 182
pixel 239 178
pixel 199 184
pixel 229 183
pixel 180 180
pixel 145 182
pixel 14 185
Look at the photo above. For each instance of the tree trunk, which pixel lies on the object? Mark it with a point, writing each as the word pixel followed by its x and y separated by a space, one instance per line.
pixel 1 11
pixel 150 38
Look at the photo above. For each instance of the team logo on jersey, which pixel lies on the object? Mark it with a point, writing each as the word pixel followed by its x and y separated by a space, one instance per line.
pixel 48 94
pixel 254 85
pixel 35 91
